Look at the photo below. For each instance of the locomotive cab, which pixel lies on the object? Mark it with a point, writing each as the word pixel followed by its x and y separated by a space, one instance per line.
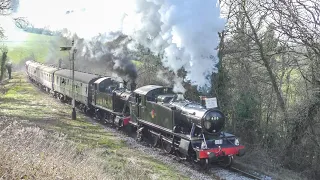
pixel 165 98
pixel 110 95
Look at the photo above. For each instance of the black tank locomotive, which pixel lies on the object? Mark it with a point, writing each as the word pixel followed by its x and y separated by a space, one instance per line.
pixel 186 128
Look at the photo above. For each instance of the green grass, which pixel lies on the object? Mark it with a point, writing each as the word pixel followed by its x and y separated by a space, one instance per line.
pixel 20 99
pixel 39 46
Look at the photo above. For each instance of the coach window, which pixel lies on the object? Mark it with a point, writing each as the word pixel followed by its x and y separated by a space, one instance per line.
pixel 151 98
pixel 102 87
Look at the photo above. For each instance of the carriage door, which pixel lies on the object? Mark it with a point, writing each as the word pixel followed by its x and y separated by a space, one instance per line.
pixel 93 89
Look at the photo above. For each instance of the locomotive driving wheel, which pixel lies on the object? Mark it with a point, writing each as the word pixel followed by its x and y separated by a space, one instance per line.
pixel 204 164
pixel 166 146
pixel 154 140
pixel 181 156
pixel 101 116
pixel 226 161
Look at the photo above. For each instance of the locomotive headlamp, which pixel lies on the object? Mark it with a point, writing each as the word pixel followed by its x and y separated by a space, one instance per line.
pixel 236 142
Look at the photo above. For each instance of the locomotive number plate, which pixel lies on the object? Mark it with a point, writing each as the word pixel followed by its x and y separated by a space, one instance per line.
pixel 218 141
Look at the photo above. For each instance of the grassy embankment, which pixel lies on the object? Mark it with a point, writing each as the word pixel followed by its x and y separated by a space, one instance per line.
pixel 40 141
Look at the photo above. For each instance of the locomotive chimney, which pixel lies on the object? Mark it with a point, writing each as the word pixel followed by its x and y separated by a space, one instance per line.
pixel 203 100
pixel 133 86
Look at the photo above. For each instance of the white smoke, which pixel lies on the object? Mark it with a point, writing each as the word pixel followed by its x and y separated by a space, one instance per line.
pixel 162 76
pixel 186 31
pixel 178 87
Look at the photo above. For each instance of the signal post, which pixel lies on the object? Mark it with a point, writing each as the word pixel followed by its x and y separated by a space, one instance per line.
pixel 74 50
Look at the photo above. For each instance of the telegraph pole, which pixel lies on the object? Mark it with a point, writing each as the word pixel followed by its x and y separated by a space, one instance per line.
pixel 74 50
pixel 74 116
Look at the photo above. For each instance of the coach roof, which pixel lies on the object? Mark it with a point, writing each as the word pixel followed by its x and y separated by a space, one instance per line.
pixel 78 76
pixel 48 69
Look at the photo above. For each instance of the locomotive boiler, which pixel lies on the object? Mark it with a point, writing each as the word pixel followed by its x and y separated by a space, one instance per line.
pixel 210 121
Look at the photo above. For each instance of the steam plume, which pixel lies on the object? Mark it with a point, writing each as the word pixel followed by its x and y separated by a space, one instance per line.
pixel 186 31
pixel 113 54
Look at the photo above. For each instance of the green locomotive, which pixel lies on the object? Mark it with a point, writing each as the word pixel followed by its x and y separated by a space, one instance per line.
pixel 183 127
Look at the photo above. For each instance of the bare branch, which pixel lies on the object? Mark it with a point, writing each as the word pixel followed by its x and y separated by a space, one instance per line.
pixel 5 7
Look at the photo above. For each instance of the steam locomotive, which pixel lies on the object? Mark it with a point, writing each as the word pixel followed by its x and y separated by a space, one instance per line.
pixel 157 114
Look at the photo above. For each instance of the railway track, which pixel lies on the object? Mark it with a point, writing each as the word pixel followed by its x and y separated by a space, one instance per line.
pixel 244 173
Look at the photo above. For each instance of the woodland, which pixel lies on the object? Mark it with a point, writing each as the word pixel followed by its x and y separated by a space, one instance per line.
pixel 268 80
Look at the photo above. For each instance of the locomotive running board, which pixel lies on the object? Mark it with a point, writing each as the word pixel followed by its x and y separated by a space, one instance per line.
pixel 182 136
pixel 109 110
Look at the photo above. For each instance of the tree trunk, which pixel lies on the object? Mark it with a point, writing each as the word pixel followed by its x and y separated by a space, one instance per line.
pixel 266 63
pixel 218 80
pixel 3 62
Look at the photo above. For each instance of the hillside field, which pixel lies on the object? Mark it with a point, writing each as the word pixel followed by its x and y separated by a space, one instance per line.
pixel 40 47
pixel 35 45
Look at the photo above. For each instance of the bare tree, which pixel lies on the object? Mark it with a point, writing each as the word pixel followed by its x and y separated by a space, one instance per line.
pixel 271 61
pixel 5 7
